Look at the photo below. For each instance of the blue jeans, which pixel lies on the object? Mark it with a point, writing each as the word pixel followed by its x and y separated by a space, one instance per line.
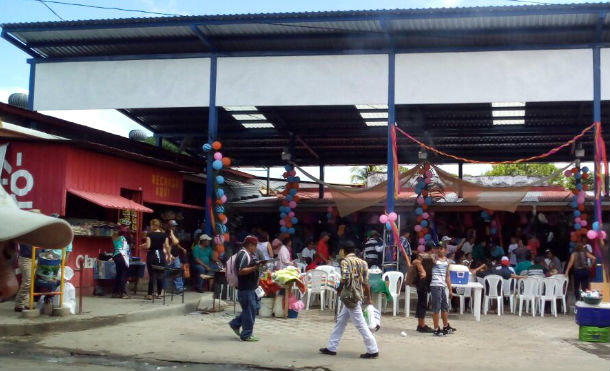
pixel 199 270
pixel 248 302
pixel 178 280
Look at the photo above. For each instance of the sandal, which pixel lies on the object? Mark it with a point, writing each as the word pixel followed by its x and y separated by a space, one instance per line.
pixel 148 297
pixel 125 296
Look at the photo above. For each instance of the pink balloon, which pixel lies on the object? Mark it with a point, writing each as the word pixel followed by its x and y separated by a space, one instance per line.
pixel 427 180
pixel 422 241
pixel 392 217
pixel 493 223
pixel 417 228
pixel 428 174
pixel 329 209
pixel 567 173
pixel 421 248
pixel 293 173
pixel 602 235
pixel 291 214
pixel 583 223
pixel 292 204
pixel 383 218
pixel 425 215
pixel 592 234
pixel 420 200
pixel 223 199
pixel 577 220
pixel 225 221
pixel 282 222
pixel 218 156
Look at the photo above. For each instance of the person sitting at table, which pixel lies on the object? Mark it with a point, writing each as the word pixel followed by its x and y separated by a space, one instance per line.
pixel 283 255
pixel 505 270
pixel 525 264
pixel 480 268
pixel 308 253
pixel 537 269
pixel 202 255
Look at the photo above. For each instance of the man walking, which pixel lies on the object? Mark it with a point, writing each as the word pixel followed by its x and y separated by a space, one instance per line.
pixel 25 266
pixel 354 282
pixel 247 268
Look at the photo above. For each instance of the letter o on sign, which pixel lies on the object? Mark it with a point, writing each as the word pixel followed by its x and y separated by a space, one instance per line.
pixel 29 182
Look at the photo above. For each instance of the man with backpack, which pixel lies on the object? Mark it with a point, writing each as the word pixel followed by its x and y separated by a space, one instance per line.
pixel 354 283
pixel 243 268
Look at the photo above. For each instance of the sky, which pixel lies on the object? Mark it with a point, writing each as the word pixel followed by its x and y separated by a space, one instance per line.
pixel 14 75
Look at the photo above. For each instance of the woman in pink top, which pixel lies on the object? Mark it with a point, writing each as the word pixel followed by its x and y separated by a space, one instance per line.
pixel 283 255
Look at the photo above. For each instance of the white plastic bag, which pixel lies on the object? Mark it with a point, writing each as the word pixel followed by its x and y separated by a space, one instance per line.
pixel 372 316
pixel 69 298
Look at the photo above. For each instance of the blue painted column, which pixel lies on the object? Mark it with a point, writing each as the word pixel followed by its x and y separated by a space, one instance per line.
pixel 32 84
pixel 212 136
pixel 391 121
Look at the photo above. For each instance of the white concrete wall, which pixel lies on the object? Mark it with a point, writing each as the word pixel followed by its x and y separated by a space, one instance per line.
pixel 605 67
pixel 503 76
pixel 122 84
pixel 313 80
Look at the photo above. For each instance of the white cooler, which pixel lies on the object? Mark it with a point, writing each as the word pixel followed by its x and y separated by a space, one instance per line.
pixel 459 274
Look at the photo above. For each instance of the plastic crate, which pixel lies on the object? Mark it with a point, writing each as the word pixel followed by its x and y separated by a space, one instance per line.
pixel 459 274
pixel 594 334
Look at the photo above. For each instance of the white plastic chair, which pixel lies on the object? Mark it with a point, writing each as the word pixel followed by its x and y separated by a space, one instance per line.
pixel 527 291
pixel 331 289
pixel 464 293
pixel 548 293
pixel 493 290
pixel 302 267
pixel 562 290
pixel 508 291
pixel 326 268
pixel 395 285
pixel 316 285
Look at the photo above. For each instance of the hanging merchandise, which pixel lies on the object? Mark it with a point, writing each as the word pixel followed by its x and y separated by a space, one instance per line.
pixel 288 219
pixel 217 215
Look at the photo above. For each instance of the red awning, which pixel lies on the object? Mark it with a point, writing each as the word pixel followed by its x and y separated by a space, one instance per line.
pixel 110 201
pixel 176 204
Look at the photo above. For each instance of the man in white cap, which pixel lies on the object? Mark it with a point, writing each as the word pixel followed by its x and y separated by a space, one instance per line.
pixel 19 226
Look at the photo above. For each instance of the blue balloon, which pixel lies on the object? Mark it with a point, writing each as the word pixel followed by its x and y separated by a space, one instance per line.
pixel 220 209
pixel 579 187
pixel 217 165
pixel 484 214
pixel 292 192
pixel 289 198
pixel 220 192
pixel 577 226
pixel 585 169
pixel 283 215
pixel 288 167
pixel 417 190
pixel 207 147
pixel 574 203
pixel 286 209
pixel 577 176
pixel 283 229
pixel 291 230
pixel 424 223
pixel 429 201
pixel 421 184
pixel 329 216
pixel 576 213
pixel 294 220
pixel 427 237
pixel 220 179
pixel 297 179
pixel 419 211
pixel 595 226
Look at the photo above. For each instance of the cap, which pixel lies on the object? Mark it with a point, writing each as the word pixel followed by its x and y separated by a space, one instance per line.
pixel 547 250
pixel 250 240
pixel 205 237
pixel 324 234
pixel 31 228
pixel 446 238
pixel 276 243
pixel 374 233
pixel 505 260
pixel 173 223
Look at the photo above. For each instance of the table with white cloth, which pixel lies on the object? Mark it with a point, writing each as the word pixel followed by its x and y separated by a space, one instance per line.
pixel 476 287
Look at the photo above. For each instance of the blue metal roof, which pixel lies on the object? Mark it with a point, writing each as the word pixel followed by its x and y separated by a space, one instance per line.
pixel 339 31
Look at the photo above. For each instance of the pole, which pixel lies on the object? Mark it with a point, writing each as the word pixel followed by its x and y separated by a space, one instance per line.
pixel 268 176
pixel 80 290
pixel 321 186
pixel 461 176
pixel 391 121
pixel 212 135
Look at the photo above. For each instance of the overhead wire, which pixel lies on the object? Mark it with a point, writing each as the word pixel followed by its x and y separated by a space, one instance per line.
pixel 51 9
pixel 105 8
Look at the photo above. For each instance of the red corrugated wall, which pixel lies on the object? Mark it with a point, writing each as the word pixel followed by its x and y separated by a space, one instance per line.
pixel 39 178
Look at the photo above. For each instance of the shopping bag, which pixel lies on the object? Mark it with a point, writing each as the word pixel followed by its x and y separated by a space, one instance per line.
pixel 372 316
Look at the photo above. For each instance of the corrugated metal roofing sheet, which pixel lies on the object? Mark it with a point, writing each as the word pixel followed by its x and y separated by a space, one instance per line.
pixel 110 201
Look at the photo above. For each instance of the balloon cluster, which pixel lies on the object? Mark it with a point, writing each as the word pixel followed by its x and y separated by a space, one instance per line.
pixel 388 219
pixel 424 201
pixel 578 205
pixel 331 215
pixel 287 217
pixel 221 198
pixel 487 216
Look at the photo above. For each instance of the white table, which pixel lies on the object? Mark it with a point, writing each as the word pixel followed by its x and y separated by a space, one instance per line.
pixel 476 287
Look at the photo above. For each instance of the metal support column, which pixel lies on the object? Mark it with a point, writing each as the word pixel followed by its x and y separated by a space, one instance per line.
pixel 461 176
pixel 321 189
pixel 212 136
pixel 597 107
pixel 268 182
pixel 391 121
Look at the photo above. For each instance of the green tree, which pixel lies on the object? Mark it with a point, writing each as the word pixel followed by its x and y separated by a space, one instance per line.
pixel 167 145
pixel 359 174
pixel 529 169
